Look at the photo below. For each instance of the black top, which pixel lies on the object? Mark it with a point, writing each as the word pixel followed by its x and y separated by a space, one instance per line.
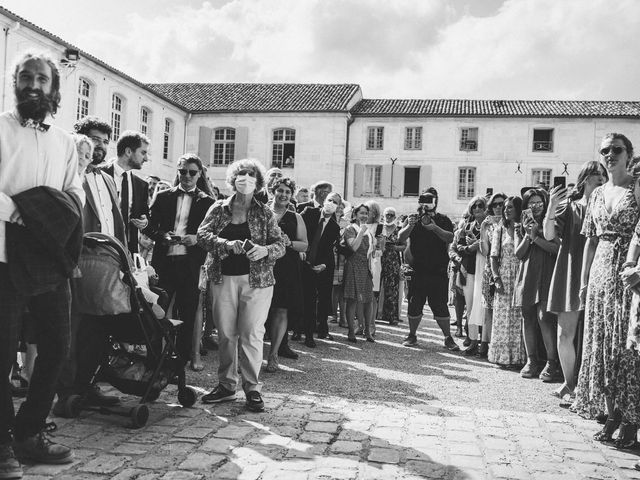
pixel 429 252
pixel 236 264
pixel 471 228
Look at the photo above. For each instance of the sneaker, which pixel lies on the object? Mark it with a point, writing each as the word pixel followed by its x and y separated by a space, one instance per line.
pixel 254 401
pixel 410 341
pixel 451 345
pixel 219 395
pixel 40 449
pixel 9 465
pixel 530 370
pixel 551 373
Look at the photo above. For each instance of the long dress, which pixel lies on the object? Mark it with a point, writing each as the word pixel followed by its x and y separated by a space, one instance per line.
pixel 608 303
pixel 287 292
pixel 358 282
pixel 507 346
pixel 390 278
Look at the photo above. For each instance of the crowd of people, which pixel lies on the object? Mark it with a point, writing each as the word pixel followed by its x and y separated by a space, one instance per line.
pixel 545 282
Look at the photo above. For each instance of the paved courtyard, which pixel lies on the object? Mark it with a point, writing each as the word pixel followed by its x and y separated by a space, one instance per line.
pixel 343 411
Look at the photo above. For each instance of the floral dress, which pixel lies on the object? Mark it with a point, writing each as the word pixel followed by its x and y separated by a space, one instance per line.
pixel 608 304
pixel 390 278
pixel 507 346
pixel 358 281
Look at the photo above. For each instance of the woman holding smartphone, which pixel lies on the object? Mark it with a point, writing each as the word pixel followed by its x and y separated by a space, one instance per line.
pixel 244 241
pixel 537 259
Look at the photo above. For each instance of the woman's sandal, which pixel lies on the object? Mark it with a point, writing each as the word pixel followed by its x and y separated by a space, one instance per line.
pixel 627 438
pixel 606 434
pixel 196 366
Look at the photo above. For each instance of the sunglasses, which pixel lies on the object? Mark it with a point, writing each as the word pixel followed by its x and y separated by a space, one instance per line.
pixel 616 150
pixel 478 205
pixel 184 171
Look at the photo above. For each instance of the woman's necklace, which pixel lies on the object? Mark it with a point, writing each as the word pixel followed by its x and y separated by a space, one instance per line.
pixel 278 214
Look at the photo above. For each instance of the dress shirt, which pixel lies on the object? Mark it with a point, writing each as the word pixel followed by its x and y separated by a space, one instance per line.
pixel 31 158
pixel 102 199
pixel 183 207
pixel 118 171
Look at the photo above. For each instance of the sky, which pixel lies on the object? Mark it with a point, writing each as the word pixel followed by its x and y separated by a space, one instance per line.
pixel 472 49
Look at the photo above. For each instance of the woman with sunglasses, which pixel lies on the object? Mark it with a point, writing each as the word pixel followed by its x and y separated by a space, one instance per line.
pixel 537 259
pixel 609 223
pixel 484 281
pixel 244 241
pixel 390 278
pixel 466 245
pixel 564 220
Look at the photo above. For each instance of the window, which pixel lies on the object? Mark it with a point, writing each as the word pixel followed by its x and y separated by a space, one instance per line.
pixel 145 120
pixel 116 116
pixel 413 138
pixel 466 182
pixel 411 181
pixel 284 148
pixel 224 146
pixel 469 139
pixel 84 97
pixel 166 140
pixel 543 139
pixel 375 138
pixel 372 177
pixel 541 177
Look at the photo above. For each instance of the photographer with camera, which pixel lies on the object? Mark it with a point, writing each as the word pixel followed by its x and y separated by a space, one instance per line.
pixel 430 234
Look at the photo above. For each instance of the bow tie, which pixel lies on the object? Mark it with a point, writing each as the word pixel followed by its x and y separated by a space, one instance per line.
pixel 31 123
pixel 91 168
pixel 192 193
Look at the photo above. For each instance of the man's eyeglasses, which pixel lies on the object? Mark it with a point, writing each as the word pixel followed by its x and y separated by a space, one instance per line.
pixel 617 150
pixel 184 171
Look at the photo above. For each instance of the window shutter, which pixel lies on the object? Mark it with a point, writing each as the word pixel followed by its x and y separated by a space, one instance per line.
pixel 385 180
pixel 425 177
pixel 204 145
pixel 242 143
pixel 358 179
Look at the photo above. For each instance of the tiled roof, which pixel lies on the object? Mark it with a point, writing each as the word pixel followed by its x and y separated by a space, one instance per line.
pixel 60 41
pixel 496 108
pixel 258 97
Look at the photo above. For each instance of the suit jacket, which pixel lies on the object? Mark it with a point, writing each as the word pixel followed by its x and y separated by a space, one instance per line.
pixel 328 240
pixel 301 206
pixel 139 206
pixel 90 216
pixel 162 219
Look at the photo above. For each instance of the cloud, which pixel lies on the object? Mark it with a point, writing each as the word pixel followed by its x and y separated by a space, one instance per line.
pixel 573 49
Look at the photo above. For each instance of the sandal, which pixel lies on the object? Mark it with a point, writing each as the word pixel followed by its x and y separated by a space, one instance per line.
pixel 272 365
pixel 196 366
pixel 19 386
pixel 627 436
pixel 606 434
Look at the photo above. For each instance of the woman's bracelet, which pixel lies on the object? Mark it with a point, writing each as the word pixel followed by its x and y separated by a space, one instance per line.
pixel 628 264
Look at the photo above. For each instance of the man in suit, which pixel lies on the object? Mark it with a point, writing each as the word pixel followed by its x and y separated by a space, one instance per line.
pixel 101 213
pixel 323 233
pixel 174 219
pixel 320 191
pixel 133 192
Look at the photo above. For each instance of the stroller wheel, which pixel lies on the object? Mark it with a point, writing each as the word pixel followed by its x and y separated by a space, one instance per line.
pixel 72 406
pixel 139 415
pixel 187 397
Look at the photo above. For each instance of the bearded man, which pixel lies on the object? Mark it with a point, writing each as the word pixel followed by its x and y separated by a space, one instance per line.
pixel 41 199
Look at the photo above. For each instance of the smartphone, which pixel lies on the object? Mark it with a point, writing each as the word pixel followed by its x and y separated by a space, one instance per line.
pixel 527 214
pixel 247 245
pixel 176 238
pixel 560 182
pixel 489 191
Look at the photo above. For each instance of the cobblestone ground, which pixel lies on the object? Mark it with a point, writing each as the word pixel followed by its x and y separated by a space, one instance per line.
pixel 364 411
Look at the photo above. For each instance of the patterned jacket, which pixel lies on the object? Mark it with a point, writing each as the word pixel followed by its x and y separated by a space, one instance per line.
pixel 264 231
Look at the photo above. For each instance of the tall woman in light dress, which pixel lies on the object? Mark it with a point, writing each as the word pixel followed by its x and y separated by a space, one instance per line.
pixel 612 215
pixel 358 281
pixel 564 219
pixel 390 278
pixel 506 347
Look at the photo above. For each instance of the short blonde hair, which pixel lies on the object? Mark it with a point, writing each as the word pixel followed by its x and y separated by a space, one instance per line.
pixel 246 163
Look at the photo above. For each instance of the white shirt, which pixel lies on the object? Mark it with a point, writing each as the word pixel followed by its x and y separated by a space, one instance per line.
pixel 183 207
pixel 30 158
pixel 118 171
pixel 102 200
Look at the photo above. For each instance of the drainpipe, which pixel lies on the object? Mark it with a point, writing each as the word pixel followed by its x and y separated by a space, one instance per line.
pixel 350 120
pixel 184 141
pixel 6 29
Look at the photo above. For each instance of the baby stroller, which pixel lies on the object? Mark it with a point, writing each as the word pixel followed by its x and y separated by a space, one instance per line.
pixel 108 289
